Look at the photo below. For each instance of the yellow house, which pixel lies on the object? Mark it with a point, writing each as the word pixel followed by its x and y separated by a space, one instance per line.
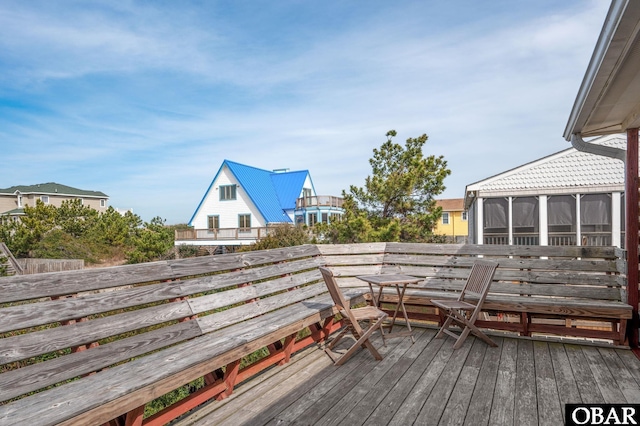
pixel 453 222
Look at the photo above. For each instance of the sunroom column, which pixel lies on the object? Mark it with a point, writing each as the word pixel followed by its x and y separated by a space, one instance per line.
pixel 578 222
pixel 543 220
pixel 480 222
pixel 631 243
pixel 510 219
pixel 616 226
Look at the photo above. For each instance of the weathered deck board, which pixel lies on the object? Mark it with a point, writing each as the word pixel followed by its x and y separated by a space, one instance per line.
pixel 358 406
pixel 504 398
pixel 519 382
pixel 526 412
pixel 480 405
pixel 549 409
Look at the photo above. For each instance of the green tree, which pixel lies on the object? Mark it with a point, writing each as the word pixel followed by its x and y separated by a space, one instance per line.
pixel 397 201
pixel 283 235
pixel 21 236
pixel 74 218
pixel 115 229
pixel 151 242
pixel 4 266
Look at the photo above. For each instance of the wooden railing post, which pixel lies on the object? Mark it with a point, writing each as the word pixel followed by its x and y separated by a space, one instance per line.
pixel 631 217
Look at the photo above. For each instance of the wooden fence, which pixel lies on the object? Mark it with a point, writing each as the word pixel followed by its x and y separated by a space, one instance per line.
pixel 39 266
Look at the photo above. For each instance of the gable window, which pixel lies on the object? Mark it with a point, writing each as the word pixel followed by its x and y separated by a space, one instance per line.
pixel 44 199
pixel 227 192
pixel 19 201
pixel 213 222
pixel 244 222
pixel 445 218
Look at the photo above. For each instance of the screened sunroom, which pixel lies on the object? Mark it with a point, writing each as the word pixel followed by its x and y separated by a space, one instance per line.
pixel 568 198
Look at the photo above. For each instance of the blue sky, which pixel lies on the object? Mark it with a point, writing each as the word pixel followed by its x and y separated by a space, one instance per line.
pixel 143 100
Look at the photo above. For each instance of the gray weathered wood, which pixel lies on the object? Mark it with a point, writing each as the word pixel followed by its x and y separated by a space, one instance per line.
pixel 50 311
pixel 606 383
pixel 363 248
pixel 504 250
pixel 456 407
pixel 411 406
pixel 143 303
pixel 549 409
pixel 127 386
pixel 565 381
pixel 225 262
pixel 506 263
pixel 587 386
pixel 525 401
pixel 356 407
pixel 502 408
pixel 25 287
pixel 36 376
pixel 23 346
pixel 401 389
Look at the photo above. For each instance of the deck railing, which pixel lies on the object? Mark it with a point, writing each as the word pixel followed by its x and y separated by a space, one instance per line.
pixel 319 201
pixel 221 234
pixel 555 239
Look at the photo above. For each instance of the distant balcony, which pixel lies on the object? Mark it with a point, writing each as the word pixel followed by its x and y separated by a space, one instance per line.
pixel 223 234
pixel 319 201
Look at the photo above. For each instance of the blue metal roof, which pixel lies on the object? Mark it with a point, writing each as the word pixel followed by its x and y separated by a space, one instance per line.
pixel 288 186
pixel 272 193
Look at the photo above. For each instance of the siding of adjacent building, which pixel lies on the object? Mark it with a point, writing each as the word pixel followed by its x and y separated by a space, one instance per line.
pixel 457 228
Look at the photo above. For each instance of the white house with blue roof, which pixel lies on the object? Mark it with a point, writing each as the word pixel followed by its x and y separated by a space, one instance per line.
pixel 242 202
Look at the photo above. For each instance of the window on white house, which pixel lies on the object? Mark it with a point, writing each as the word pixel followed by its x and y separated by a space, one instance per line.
pixel 464 215
pixel 227 192
pixel 445 218
pixel 213 222
pixel 44 199
pixel 244 222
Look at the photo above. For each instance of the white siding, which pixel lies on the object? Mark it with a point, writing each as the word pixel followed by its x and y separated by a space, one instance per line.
pixel 227 210
pixel 309 185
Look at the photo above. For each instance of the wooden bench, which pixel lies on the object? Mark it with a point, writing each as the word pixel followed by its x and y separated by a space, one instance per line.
pixel 567 291
pixel 94 346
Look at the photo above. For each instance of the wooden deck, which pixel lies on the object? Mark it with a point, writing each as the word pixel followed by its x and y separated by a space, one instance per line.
pixel 521 382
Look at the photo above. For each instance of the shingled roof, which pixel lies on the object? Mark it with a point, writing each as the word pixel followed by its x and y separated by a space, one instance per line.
pixel 566 171
pixel 52 188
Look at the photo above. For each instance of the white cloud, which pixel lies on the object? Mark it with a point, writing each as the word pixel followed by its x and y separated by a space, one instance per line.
pixel 150 100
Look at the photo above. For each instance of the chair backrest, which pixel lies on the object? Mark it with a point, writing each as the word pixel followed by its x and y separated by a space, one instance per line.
pixel 479 280
pixel 334 290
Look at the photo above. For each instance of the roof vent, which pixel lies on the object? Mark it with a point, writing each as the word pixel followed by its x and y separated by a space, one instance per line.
pixel 280 170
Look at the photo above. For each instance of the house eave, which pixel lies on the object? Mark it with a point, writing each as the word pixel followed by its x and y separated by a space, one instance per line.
pixel 608 100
